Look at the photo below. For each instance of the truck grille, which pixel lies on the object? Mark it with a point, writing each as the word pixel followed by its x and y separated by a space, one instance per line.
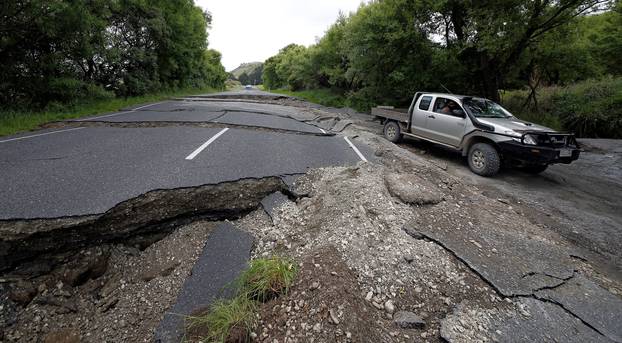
pixel 555 140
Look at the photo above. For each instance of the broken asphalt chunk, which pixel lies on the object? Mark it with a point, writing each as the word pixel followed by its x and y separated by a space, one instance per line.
pixel 224 257
pixel 530 320
pixel 589 302
pixel 412 189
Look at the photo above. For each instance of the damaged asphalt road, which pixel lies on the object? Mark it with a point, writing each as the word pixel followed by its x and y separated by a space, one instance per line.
pixel 79 172
pixel 88 170
pixel 119 207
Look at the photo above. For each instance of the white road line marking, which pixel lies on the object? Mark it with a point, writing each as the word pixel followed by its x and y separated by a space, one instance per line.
pixel 210 141
pixel 41 134
pixel 149 105
pixel 321 129
pixel 120 113
pixel 355 149
pixel 106 116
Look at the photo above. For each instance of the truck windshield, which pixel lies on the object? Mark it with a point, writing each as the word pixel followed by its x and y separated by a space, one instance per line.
pixel 484 108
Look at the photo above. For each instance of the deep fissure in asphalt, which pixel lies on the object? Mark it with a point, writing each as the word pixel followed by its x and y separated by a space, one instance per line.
pixel 139 221
pixel 150 124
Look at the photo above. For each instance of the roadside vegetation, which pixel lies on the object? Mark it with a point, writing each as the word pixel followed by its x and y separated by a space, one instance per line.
pixel 591 108
pixel 387 50
pixel 65 58
pixel 322 96
pixel 12 121
pixel 233 320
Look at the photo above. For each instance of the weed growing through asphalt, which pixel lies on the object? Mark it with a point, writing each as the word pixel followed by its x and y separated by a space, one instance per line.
pixel 233 320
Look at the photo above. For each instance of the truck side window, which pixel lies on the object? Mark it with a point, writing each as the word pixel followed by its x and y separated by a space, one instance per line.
pixel 425 103
pixel 449 107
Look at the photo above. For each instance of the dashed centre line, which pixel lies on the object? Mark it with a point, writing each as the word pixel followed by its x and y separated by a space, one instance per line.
pixel 204 145
pixel 356 150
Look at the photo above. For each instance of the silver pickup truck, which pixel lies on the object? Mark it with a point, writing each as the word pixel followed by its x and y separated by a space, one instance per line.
pixel 483 131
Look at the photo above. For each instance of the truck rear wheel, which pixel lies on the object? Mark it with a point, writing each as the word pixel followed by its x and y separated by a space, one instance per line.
pixel 484 159
pixel 392 131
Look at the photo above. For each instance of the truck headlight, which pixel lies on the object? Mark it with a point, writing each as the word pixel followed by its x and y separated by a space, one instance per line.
pixel 530 139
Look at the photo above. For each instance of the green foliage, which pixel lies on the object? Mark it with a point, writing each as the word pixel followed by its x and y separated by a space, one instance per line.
pixel 267 278
pixel 322 96
pixel 290 68
pixel 388 49
pixel 591 108
pixel 244 79
pixel 97 102
pixel 232 84
pixel 249 73
pixel 64 51
pixel 225 317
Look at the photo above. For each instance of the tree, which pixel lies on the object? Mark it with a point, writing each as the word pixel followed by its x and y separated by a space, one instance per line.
pixel 387 53
pixel 67 50
pixel 255 75
pixel 610 42
pixel 490 36
pixel 244 79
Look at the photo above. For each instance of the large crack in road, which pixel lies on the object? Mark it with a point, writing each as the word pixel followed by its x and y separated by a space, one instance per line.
pixel 147 124
pixel 156 213
pixel 416 239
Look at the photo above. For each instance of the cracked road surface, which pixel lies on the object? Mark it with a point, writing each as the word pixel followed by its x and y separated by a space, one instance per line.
pixel 83 171
pixel 405 237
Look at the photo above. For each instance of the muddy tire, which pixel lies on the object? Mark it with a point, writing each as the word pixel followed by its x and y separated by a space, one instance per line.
pixel 484 159
pixel 392 131
pixel 534 169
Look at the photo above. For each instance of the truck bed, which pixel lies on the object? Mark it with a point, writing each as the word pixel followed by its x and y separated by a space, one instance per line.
pixel 388 112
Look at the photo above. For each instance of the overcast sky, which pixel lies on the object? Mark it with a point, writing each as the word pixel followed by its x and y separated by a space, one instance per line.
pixel 253 30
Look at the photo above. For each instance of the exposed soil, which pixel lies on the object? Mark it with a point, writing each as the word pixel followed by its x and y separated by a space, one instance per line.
pixel 325 304
pixel 123 304
pixel 389 265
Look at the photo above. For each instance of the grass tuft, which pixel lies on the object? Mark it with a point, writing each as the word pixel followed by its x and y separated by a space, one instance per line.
pixel 226 318
pixel 267 278
pixel 233 320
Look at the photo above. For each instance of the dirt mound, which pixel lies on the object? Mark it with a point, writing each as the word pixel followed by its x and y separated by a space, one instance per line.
pixel 325 303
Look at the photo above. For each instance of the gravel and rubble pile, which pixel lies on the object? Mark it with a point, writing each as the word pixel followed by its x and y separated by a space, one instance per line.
pixel 376 217
pixel 122 302
pixel 351 209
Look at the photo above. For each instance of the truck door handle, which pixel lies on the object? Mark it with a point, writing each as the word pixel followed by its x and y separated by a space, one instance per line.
pixel 431 116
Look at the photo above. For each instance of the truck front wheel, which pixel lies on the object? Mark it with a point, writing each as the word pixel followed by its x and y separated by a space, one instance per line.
pixel 392 131
pixel 484 159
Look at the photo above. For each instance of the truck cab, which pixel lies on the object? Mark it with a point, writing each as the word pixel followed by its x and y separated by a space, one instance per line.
pixel 483 131
pixel 439 118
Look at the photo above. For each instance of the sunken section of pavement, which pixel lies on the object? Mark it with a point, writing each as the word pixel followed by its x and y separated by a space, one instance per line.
pixel 390 251
pixel 84 199
pixel 88 171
